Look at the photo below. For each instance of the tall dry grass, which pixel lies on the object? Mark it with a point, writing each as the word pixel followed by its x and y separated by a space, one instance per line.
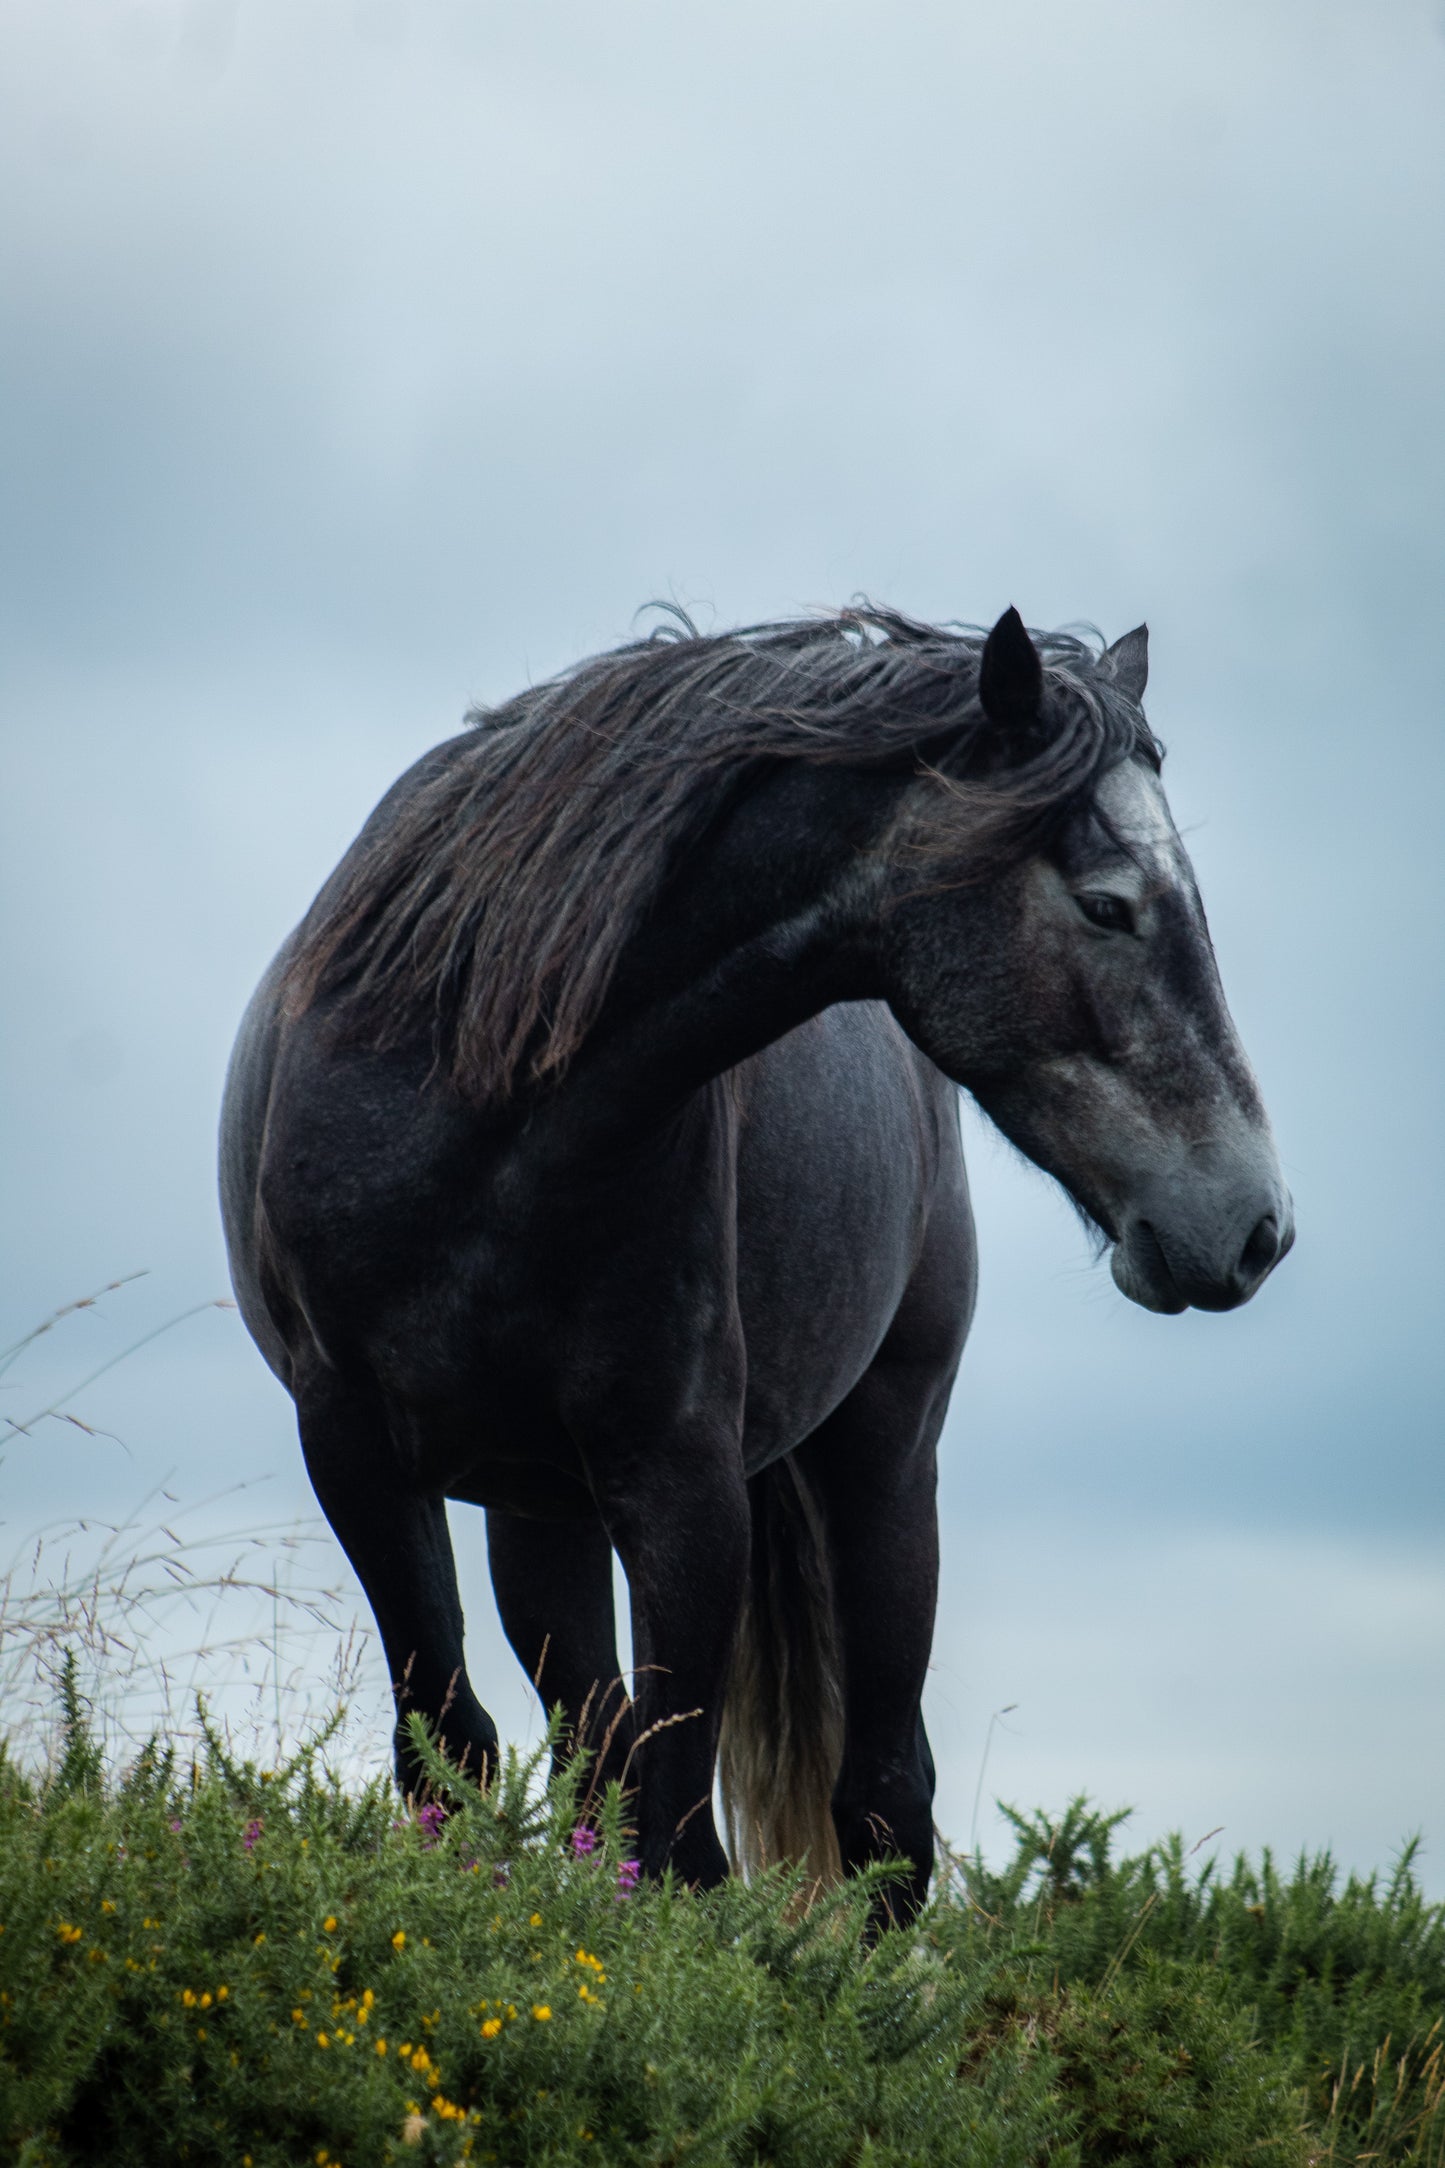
pixel 173 1601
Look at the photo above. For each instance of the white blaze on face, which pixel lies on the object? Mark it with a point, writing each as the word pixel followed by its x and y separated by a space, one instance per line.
pixel 1139 858
pixel 1131 799
pixel 1187 1193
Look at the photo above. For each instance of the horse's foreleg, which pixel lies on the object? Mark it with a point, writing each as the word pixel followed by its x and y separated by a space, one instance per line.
pixel 399 1543
pixel 553 1584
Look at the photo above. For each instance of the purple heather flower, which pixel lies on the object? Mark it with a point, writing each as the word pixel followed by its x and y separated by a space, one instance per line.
pixel 430 1820
pixel 176 1827
pixel 629 1874
pixel 252 1835
pixel 584 1841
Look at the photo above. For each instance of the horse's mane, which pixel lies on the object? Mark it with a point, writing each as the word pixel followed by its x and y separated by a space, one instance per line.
pixel 485 905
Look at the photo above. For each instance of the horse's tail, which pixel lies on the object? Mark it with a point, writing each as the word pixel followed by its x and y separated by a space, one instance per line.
pixel 782 1728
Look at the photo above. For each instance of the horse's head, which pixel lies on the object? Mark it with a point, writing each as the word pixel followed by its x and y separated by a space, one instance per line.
pixel 1076 995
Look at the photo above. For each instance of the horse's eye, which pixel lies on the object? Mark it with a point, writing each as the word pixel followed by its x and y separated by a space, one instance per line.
pixel 1110 912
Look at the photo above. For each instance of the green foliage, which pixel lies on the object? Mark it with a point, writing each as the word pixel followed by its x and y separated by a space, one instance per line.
pixel 213 1963
pixel 240 1965
pixel 1158 2068
pixel 1342 1983
pixel 81 1764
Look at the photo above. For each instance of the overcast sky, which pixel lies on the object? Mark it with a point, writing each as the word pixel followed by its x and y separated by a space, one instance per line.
pixel 366 358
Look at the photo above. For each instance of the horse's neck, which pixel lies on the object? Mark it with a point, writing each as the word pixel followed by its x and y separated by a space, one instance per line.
pixel 765 923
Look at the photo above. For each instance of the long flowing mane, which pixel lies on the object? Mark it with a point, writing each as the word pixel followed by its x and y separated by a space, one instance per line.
pixel 485 904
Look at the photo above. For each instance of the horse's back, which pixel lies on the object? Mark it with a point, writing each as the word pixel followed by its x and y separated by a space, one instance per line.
pixel 851 1191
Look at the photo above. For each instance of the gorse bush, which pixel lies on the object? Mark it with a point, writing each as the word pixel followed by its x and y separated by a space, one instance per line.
pixel 1345 1982
pixel 208 1962
pixel 220 1964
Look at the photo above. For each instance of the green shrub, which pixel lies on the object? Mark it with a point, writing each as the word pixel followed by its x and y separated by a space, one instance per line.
pixel 223 1965
pixel 1341 1982
pixel 1162 2068
pixel 212 1963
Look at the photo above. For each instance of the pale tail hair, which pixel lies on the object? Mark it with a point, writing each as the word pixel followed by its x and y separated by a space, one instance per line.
pixel 782 1728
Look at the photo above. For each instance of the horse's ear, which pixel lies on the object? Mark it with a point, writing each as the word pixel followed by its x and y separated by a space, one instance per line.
pixel 1130 658
pixel 1010 675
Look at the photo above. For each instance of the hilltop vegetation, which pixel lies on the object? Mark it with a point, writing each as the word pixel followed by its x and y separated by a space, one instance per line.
pixel 204 1961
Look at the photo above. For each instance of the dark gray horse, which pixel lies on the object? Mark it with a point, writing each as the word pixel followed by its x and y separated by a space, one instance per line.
pixel 590 1154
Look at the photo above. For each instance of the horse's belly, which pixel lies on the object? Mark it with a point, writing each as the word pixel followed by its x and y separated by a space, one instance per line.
pixel 840 1152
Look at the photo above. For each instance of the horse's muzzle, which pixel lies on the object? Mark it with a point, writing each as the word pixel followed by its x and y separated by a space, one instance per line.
pixel 1169 1270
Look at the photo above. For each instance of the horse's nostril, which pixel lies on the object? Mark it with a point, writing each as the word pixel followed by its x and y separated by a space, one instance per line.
pixel 1261 1250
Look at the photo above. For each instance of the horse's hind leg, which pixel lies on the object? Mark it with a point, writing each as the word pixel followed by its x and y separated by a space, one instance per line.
pixel 880 1514
pixel 872 1469
pixel 676 1508
pixel 399 1543
pixel 553 1584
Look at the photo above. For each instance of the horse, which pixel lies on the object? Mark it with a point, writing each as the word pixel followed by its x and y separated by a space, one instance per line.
pixel 590 1153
